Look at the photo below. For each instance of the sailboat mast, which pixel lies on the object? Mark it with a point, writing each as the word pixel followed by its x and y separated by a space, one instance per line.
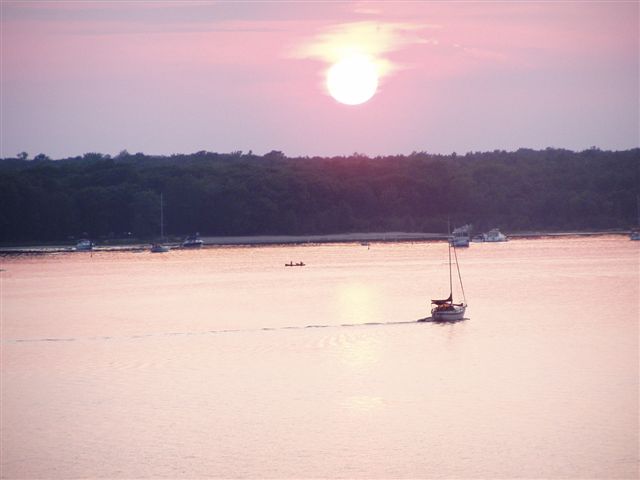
pixel 161 219
pixel 449 240
pixel 450 278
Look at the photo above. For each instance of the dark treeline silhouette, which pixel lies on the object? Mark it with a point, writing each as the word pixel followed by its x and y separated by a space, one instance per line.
pixel 245 194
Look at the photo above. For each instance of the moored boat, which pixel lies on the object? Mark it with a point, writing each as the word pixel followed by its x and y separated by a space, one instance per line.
pixel 192 241
pixel 460 236
pixel 84 245
pixel 635 233
pixel 494 235
pixel 159 247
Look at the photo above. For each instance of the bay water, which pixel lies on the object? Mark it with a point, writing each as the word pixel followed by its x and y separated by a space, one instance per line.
pixel 222 362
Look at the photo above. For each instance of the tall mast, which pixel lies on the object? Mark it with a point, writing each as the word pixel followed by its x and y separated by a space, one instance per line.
pixel 449 239
pixel 450 279
pixel 161 219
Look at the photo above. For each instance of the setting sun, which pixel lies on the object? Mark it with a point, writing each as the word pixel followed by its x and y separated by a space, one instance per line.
pixel 353 80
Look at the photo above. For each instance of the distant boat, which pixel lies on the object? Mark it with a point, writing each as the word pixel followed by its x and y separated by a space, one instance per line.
pixel 447 310
pixel 460 236
pixel 635 233
pixel 159 247
pixel 192 241
pixel 84 245
pixel 291 264
pixel 494 236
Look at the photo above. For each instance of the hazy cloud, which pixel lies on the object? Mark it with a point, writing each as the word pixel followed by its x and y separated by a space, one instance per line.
pixel 369 38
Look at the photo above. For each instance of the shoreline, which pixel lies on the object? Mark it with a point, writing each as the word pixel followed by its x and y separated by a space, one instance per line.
pixel 269 240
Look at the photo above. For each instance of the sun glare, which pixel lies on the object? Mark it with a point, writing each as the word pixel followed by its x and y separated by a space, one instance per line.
pixel 353 80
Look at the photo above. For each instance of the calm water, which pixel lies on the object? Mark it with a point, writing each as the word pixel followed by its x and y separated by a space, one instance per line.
pixel 224 363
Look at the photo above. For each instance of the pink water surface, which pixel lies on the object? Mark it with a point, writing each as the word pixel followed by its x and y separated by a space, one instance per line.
pixel 222 362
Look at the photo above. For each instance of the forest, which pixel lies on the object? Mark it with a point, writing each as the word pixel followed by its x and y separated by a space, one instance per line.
pixel 103 197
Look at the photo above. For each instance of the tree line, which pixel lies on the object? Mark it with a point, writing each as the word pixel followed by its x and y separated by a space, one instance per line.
pixel 238 193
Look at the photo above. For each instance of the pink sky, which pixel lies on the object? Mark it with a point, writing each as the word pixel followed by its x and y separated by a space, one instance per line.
pixel 178 77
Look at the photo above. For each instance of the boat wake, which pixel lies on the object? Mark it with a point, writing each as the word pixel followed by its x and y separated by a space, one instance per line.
pixel 218 332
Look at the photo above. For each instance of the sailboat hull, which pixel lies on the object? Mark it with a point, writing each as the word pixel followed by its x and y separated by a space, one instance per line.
pixel 452 314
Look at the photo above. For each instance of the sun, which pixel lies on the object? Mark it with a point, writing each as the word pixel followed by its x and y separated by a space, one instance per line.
pixel 353 80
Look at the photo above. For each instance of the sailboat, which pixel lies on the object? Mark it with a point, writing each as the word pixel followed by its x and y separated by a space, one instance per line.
pixel 159 247
pixel 635 233
pixel 447 310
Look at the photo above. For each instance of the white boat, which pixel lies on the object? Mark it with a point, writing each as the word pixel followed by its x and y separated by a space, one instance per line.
pixel 494 236
pixel 447 310
pixel 159 247
pixel 84 245
pixel 460 236
pixel 192 242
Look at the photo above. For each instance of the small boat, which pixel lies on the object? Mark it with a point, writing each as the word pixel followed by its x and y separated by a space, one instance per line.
pixel 447 310
pixel 159 247
pixel 192 241
pixel 291 264
pixel 494 236
pixel 460 236
pixel 635 233
pixel 84 245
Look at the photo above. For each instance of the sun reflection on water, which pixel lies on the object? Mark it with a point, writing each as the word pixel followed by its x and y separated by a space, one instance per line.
pixel 356 303
pixel 363 403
